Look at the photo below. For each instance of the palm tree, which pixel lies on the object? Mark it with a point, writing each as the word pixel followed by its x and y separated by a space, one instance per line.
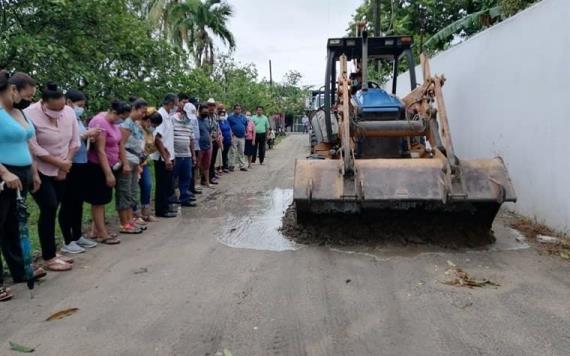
pixel 193 25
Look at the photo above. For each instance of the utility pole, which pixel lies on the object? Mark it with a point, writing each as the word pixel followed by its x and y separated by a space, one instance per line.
pixel 377 18
pixel 377 30
pixel 270 75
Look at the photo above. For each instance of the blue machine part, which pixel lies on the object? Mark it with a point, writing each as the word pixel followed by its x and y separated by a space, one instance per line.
pixel 376 100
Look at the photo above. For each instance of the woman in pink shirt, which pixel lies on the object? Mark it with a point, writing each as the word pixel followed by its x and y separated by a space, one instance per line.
pixel 103 160
pixel 53 148
pixel 249 150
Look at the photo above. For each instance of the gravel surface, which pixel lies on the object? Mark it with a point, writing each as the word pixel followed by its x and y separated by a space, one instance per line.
pixel 222 277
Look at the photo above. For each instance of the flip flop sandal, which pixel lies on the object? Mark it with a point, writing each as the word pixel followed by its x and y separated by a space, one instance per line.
pixel 130 229
pixel 57 265
pixel 151 218
pixel 139 226
pixel 39 273
pixel 109 241
pixel 139 221
pixel 5 294
pixel 64 258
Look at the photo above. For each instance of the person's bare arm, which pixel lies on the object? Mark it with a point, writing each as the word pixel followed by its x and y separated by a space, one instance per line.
pixel 103 161
pixel 10 179
pixel 163 152
pixel 74 144
pixel 43 155
pixel 36 180
pixel 125 134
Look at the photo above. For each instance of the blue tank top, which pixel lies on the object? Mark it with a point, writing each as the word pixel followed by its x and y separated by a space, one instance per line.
pixel 14 138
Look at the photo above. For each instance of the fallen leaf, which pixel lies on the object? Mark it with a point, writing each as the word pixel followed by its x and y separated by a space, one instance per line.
pixel 227 352
pixel 141 270
pixel 462 279
pixel 565 255
pixel 450 264
pixel 62 314
pixel 21 348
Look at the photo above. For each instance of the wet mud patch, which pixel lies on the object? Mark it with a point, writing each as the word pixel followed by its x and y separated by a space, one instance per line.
pixel 375 233
pixel 256 220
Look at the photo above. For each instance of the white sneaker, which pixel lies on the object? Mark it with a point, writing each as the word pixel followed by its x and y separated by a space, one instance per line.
pixel 85 242
pixel 73 248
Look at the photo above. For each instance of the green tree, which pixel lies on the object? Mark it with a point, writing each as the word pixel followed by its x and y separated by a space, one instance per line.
pixel 439 21
pixel 94 46
pixel 192 25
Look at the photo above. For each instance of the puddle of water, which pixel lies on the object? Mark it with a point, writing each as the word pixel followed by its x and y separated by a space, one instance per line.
pixel 259 229
pixel 256 219
pixel 508 239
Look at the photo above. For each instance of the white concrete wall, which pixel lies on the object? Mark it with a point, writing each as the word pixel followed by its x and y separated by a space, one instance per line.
pixel 508 94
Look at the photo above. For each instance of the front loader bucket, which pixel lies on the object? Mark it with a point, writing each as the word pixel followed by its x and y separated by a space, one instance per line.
pixel 416 187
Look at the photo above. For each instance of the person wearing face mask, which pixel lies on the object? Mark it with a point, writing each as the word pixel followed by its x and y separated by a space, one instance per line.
pixel 54 147
pixel 226 131
pixel 164 157
pixel 26 87
pixel 104 159
pixel 16 172
pixel 216 138
pixel 205 154
pixel 71 211
pixel 249 149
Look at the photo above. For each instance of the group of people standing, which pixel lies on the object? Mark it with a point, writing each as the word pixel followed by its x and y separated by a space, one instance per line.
pixel 47 148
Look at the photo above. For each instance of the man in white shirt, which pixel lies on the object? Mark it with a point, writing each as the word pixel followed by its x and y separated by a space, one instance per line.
pixel 191 112
pixel 164 157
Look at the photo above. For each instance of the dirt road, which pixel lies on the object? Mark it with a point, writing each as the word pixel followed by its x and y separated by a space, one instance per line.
pixel 222 278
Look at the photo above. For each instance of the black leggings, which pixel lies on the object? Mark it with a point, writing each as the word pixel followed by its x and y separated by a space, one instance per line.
pixel 259 147
pixel 9 227
pixel 48 199
pixel 215 149
pixel 163 188
pixel 71 211
pixel 225 156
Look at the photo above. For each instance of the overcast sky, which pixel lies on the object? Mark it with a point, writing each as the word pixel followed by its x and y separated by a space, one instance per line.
pixel 292 33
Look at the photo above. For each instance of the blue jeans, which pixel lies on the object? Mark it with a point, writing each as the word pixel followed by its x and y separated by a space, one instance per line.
pixel 183 173
pixel 145 184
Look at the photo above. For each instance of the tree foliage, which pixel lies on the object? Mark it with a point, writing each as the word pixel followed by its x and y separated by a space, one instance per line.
pixel 108 49
pixel 434 24
pixel 425 19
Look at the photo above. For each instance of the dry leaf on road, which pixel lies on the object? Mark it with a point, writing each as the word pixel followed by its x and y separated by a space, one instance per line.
pixel 62 314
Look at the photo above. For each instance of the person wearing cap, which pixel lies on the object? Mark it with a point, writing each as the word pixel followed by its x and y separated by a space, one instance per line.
pixel 184 155
pixel 191 112
pixel 216 138
pixel 164 157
